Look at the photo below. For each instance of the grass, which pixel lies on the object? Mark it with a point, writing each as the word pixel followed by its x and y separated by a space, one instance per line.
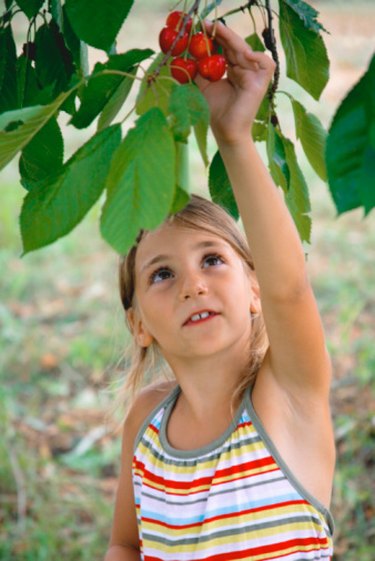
pixel 62 335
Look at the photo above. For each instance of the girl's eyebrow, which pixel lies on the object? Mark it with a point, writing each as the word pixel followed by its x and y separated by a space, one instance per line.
pixel 164 257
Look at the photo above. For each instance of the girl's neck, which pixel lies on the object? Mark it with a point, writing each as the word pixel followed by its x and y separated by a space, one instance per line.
pixel 207 386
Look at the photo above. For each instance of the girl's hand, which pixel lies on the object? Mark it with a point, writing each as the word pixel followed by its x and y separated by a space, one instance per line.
pixel 235 100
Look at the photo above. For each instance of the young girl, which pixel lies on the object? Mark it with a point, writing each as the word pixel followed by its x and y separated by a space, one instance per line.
pixel 234 459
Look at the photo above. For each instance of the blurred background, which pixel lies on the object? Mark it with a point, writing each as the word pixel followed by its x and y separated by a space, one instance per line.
pixel 62 336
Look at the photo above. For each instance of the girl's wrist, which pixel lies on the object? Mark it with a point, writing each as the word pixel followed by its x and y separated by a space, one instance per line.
pixel 236 143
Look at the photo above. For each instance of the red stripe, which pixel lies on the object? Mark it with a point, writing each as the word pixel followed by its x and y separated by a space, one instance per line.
pixel 154 429
pixel 296 544
pixel 208 480
pixel 222 516
pixel 245 424
pixel 278 548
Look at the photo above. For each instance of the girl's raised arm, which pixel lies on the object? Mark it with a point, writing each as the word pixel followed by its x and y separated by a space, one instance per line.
pixel 298 360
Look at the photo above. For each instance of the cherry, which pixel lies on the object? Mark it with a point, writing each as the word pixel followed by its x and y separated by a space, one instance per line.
pixel 183 69
pixel 200 45
pixel 175 20
pixel 167 37
pixel 212 67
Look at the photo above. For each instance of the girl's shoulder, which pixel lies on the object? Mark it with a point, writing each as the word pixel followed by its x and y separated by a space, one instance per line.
pixel 147 400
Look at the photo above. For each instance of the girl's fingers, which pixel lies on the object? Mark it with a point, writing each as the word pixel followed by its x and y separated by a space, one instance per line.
pixel 202 83
pixel 225 36
pixel 236 50
pixel 238 53
pixel 264 61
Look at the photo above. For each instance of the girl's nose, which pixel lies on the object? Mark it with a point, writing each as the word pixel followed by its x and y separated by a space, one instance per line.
pixel 193 286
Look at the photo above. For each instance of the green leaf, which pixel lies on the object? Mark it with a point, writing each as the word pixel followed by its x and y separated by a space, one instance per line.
pixel 312 136
pixel 306 13
pixel 201 133
pixel 306 56
pixel 259 131
pixel 27 84
pixel 8 78
pixel 43 155
pixel 101 87
pixel 255 42
pixel 53 61
pixel 141 183
pixel 188 107
pixel 220 188
pixel 155 93
pixel 30 7
pixel 3 53
pixel 116 101
pixel 72 42
pixel 350 147
pixel 297 197
pixel 96 22
pixel 29 92
pixel 53 208
pixel 180 200
pixel 264 110
pixel 182 166
pixel 277 158
pixel 57 12
pixel 18 128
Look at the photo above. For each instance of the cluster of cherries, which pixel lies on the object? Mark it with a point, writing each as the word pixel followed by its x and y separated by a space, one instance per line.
pixel 199 50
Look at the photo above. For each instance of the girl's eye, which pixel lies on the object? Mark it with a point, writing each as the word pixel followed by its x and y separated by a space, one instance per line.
pixel 159 275
pixel 212 260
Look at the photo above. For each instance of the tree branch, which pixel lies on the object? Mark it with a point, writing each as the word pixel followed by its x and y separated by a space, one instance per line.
pixel 270 42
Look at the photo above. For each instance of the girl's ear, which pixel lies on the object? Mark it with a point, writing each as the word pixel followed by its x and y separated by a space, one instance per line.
pixel 255 305
pixel 137 329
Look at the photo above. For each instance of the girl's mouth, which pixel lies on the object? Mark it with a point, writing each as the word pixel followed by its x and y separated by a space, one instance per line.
pixel 200 317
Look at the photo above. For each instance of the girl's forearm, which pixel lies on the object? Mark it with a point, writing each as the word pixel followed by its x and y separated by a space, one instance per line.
pixel 120 553
pixel 273 238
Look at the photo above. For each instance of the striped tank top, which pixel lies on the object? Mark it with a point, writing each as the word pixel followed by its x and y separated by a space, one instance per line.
pixel 234 499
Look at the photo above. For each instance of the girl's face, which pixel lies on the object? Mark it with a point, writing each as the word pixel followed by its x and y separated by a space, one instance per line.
pixel 193 294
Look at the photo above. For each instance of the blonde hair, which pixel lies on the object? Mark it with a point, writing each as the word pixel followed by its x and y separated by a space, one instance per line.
pixel 199 214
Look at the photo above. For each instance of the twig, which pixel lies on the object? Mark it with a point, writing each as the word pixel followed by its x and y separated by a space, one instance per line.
pixel 239 9
pixel 270 42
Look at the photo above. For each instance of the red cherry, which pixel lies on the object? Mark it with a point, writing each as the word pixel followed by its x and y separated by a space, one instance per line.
pixel 212 67
pixel 183 69
pixel 175 19
pixel 167 37
pixel 200 45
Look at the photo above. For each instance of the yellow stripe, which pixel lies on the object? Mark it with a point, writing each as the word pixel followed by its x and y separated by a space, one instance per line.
pixel 213 544
pixel 244 519
pixel 185 469
pixel 151 527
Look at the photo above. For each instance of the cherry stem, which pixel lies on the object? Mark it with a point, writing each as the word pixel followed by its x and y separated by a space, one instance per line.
pixel 119 73
pixel 243 8
pixel 182 70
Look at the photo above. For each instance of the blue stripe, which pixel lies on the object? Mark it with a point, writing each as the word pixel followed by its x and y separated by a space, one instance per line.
pixel 231 509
